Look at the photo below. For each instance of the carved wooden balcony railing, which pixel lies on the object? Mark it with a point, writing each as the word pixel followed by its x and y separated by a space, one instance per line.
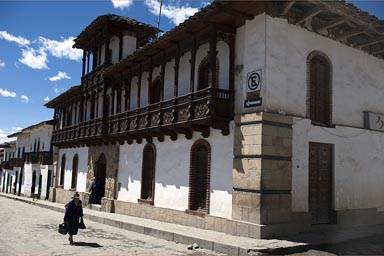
pixel 211 107
pixel 19 162
pixel 7 164
pixel 43 158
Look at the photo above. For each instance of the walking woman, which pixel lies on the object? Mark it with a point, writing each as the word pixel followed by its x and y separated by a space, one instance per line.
pixel 73 213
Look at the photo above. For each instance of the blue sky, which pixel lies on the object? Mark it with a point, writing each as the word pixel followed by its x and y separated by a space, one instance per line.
pixel 37 62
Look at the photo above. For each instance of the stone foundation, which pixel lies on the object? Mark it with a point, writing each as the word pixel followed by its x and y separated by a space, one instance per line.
pixel 262 170
pixel 209 222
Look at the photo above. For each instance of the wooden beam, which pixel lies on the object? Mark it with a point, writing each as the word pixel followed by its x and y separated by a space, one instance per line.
pixel 333 23
pixel 287 6
pixel 310 14
pixel 236 13
pixel 352 32
pixel 378 52
pixel 372 42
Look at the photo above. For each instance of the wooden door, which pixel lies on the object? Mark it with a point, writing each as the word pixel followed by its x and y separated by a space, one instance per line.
pixel 320 182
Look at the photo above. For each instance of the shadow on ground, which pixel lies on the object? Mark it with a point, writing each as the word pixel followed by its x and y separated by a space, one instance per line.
pixel 95 245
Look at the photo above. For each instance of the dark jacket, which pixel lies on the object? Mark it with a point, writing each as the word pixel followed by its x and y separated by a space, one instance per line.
pixel 73 210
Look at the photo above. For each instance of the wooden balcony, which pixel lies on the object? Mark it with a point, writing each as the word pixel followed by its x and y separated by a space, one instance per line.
pixel 43 158
pixel 197 111
pixel 8 164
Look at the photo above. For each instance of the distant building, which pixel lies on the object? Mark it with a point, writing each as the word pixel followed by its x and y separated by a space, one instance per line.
pixel 8 175
pixel 252 118
pixel 31 163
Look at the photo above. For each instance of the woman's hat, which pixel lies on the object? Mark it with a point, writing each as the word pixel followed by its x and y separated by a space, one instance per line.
pixel 76 195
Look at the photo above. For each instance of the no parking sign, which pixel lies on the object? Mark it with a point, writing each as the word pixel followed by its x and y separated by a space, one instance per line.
pixel 254 81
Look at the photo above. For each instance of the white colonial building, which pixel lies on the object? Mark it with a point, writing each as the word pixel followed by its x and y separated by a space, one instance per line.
pixel 252 118
pixel 31 170
pixel 8 175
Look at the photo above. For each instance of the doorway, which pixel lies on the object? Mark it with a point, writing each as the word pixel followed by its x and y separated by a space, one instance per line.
pixel 100 175
pixel 33 182
pixel 321 183
pixel 20 181
pixel 49 181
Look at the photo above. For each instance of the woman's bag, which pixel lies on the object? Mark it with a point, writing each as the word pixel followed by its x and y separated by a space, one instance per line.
pixel 81 224
pixel 63 229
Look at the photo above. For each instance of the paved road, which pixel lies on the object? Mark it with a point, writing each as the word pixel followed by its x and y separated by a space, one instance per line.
pixel 31 230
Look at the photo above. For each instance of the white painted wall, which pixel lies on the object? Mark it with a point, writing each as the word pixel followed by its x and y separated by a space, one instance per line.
pixel 114 46
pixel 42 133
pixel 357 77
pixel 82 168
pixel 249 56
pixel 223 57
pixel 169 80
pixel 358 165
pixel 134 90
pixel 172 172
pixel 184 74
pixel 144 90
pixel 129 45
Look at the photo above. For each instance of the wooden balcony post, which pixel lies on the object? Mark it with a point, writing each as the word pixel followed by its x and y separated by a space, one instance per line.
pixel 88 60
pixel 121 38
pixel 150 80
pixel 84 60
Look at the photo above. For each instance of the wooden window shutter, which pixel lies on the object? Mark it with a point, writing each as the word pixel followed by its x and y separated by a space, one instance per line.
pixel 320 91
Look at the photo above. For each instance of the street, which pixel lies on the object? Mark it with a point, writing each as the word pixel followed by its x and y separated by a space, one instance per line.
pixel 26 229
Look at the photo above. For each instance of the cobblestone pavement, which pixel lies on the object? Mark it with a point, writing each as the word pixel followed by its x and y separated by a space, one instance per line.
pixel 373 245
pixel 30 230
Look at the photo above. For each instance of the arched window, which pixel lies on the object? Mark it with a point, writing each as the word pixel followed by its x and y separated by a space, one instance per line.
pixel 205 74
pixel 75 164
pixel 155 93
pixel 34 146
pixel 148 173
pixel 199 176
pixel 62 170
pixel 319 102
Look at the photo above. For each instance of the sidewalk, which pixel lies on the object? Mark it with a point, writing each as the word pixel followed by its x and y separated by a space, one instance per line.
pixel 217 241
pixel 212 240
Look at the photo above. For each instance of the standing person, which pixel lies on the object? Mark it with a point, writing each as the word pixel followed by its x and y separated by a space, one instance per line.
pixel 92 191
pixel 73 213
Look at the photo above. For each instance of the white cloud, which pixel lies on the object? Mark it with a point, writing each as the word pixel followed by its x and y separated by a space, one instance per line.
pixel 61 49
pixel 59 76
pixel 21 41
pixel 35 55
pixel 57 90
pixel 2 64
pixel 46 98
pixel 175 13
pixel 4 133
pixel 34 60
pixel 24 99
pixel 6 93
pixel 122 4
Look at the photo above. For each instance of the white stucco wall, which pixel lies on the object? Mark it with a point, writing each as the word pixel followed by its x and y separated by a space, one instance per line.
pixel 169 80
pixel 114 46
pixel 129 45
pixel 249 56
pixel 172 172
pixel 358 165
pixel 82 169
pixel 356 76
pixel 134 90
pixel 144 90
pixel 184 74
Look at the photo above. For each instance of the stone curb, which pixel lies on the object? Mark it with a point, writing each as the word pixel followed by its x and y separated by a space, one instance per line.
pixel 175 237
